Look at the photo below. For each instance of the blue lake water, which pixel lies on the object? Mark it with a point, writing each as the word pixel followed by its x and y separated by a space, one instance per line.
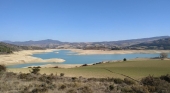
pixel 72 58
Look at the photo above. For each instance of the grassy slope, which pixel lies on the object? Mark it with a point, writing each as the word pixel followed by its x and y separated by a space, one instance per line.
pixel 134 69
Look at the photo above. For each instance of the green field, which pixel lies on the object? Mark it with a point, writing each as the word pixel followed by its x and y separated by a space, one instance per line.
pixel 133 69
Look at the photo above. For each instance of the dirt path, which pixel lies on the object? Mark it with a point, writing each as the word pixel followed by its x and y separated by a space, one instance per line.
pixel 122 75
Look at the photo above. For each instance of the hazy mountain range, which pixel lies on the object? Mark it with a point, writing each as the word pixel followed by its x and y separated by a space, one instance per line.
pixel 49 43
pixel 156 43
pixel 161 44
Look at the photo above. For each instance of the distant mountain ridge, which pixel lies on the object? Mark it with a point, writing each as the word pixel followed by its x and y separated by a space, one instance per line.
pixel 134 41
pixel 40 43
pixel 161 44
pixel 49 43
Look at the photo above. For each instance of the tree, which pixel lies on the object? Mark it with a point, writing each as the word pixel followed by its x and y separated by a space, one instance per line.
pixel 163 55
pixel 124 59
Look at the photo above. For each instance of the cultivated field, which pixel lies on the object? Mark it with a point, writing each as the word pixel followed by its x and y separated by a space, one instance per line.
pixel 133 69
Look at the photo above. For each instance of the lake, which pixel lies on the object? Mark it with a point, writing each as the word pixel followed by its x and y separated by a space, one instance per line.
pixel 73 58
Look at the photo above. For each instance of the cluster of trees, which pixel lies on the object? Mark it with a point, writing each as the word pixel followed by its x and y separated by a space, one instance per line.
pixel 95 48
pixel 102 47
pixel 4 49
pixel 116 48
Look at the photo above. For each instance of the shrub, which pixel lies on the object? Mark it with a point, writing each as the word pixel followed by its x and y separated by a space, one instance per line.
pixel 111 87
pixel 127 89
pixel 118 81
pixel 22 76
pixel 61 74
pixel 56 67
pixel 129 81
pixel 71 91
pixel 38 67
pixel 155 84
pixel 62 87
pixel 74 78
pixel 165 77
pixel 139 89
pixel 149 80
pixel 2 68
pixel 151 88
pixel 85 89
pixel 35 70
pixel 85 65
pixel 39 90
pixel 124 59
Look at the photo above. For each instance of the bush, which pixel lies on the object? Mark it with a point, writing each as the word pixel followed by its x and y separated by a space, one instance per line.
pixel 22 76
pixel 38 67
pixel 39 90
pixel 62 87
pixel 61 74
pixel 129 81
pixel 85 89
pixel 165 77
pixel 155 84
pixel 2 68
pixel 85 65
pixel 35 70
pixel 124 59
pixel 74 78
pixel 127 90
pixel 151 81
pixel 118 81
pixel 56 67
pixel 111 87
pixel 71 91
pixel 139 89
pixel 148 80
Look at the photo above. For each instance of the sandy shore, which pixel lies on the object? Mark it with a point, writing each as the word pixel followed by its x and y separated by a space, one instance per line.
pixel 61 65
pixel 91 52
pixel 25 57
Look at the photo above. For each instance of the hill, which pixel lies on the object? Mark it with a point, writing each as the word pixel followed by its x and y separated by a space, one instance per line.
pixel 122 44
pixel 161 44
pixel 49 43
pixel 9 48
pixel 135 41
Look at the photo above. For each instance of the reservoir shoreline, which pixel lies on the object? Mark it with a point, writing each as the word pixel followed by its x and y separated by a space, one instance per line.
pixel 95 52
pixel 25 56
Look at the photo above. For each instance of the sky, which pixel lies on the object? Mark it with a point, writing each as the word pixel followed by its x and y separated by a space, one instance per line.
pixel 83 20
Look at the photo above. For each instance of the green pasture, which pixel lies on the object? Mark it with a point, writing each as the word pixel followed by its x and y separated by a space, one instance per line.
pixel 133 69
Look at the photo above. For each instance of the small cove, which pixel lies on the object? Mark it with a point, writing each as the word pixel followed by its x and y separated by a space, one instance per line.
pixel 73 58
